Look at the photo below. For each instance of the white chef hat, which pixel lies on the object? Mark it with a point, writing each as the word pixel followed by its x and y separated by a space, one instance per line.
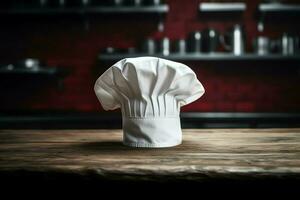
pixel 150 92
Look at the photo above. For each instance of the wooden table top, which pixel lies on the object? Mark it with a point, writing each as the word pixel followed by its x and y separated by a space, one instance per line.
pixel 204 153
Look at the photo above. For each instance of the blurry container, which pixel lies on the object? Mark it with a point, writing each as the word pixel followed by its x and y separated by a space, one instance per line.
pixel 210 40
pixel 262 45
pixel 109 50
pixel 164 46
pixel 179 46
pixel 289 44
pixel 194 42
pixel 149 46
pixel 234 40
pixel 29 64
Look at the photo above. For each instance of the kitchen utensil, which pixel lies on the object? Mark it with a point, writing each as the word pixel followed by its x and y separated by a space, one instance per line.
pixel 210 40
pixel 289 44
pixel 194 42
pixel 149 46
pixel 234 40
pixel 261 45
pixel 109 50
pixel 164 46
pixel 179 46
pixel 29 63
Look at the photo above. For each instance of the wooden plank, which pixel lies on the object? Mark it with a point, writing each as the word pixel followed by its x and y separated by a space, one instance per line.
pixel 205 153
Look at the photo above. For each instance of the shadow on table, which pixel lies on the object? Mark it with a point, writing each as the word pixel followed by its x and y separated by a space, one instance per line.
pixel 119 147
pixel 103 146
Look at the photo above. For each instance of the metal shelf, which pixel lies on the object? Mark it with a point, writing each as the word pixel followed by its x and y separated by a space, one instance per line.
pixel 49 71
pixel 279 8
pixel 161 9
pixel 206 57
pixel 222 7
pixel 48 119
pixel 142 9
pixel 279 12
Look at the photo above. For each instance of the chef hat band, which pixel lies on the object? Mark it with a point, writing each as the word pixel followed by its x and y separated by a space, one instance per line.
pixel 152 132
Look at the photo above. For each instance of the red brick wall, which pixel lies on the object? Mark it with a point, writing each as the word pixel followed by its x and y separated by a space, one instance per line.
pixel 65 41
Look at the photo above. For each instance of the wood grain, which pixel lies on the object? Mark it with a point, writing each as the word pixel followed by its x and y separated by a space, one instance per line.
pixel 204 154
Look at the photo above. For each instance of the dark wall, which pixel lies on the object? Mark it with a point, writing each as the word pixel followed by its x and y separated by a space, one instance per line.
pixel 75 42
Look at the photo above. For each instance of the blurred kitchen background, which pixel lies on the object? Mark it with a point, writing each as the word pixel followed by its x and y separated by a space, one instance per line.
pixel 245 53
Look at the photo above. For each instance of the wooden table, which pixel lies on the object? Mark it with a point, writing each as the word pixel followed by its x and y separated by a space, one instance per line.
pixel 204 155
